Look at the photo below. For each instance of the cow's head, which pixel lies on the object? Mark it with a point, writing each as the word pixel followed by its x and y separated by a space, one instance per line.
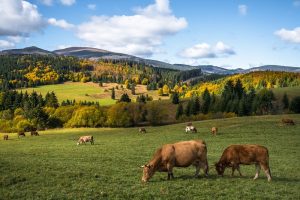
pixel 148 172
pixel 220 168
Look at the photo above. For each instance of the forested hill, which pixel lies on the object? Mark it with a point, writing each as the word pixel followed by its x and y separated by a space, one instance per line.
pixel 256 80
pixel 31 70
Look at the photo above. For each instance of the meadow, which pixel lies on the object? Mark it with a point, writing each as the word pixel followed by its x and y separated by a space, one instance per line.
pixel 91 92
pixel 51 166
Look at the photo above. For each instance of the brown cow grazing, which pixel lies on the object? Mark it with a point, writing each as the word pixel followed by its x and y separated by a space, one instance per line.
pixel 235 155
pixel 180 154
pixel 84 139
pixel 142 130
pixel 34 133
pixel 214 131
pixel 5 137
pixel 21 134
pixel 288 121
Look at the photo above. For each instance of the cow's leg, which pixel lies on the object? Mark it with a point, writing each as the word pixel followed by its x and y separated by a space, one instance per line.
pixel 257 167
pixel 233 168
pixel 170 171
pixel 204 166
pixel 238 168
pixel 266 169
pixel 198 166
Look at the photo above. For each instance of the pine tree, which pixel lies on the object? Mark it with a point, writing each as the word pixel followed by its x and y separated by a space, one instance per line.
pixel 133 89
pixel 125 98
pixel 285 101
pixel 197 104
pixel 175 98
pixel 206 101
pixel 179 111
pixel 187 110
pixel 113 95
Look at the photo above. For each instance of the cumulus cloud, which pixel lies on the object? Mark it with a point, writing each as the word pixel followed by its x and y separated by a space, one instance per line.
pixel 68 2
pixel 138 34
pixel 19 18
pixel 4 44
pixel 91 6
pixel 46 2
pixel 204 50
pixel 292 36
pixel 296 3
pixel 60 23
pixel 243 9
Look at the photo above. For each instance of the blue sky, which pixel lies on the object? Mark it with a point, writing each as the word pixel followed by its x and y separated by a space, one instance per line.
pixel 229 33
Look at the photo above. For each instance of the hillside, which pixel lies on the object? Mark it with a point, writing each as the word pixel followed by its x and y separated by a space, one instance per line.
pixel 257 80
pixel 95 54
pixel 110 169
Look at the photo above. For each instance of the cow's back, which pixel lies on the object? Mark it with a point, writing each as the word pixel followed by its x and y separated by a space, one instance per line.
pixel 187 152
pixel 246 154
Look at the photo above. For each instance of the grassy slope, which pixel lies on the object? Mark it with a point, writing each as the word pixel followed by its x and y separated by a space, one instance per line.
pixel 71 90
pixel 51 166
pixel 290 91
pixel 78 91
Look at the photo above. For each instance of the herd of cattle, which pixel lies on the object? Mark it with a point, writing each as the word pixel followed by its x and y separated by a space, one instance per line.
pixel 194 152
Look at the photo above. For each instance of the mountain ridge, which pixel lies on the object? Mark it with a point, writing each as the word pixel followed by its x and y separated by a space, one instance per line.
pixel 95 53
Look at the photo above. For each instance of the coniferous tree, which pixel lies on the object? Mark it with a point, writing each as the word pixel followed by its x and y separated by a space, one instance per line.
pixel 206 101
pixel 179 111
pixel 125 98
pixel 295 104
pixel 285 101
pixel 133 89
pixel 113 95
pixel 187 110
pixel 175 98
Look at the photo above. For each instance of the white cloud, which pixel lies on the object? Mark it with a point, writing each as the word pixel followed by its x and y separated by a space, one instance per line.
pixel 67 2
pixel 204 50
pixel 296 3
pixel 4 44
pixel 19 18
pixel 46 2
pixel 243 9
pixel 292 36
pixel 138 34
pixel 91 6
pixel 60 23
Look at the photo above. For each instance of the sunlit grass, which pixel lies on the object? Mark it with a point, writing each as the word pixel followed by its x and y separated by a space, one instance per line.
pixel 51 166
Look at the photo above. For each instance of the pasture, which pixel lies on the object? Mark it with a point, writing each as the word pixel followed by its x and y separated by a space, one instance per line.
pixel 92 92
pixel 51 166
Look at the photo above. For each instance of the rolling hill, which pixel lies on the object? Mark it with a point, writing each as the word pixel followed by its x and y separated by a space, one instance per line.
pixel 94 53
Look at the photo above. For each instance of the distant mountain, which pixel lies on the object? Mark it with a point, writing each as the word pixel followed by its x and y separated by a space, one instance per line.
pixel 27 50
pixel 94 53
pixel 273 68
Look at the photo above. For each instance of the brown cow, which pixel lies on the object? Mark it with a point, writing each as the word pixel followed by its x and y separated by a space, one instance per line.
pixel 142 130
pixel 34 133
pixel 21 134
pixel 235 155
pixel 214 130
pixel 288 121
pixel 84 139
pixel 5 137
pixel 180 154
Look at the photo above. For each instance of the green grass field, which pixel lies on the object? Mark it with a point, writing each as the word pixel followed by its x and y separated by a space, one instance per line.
pixel 74 90
pixel 51 166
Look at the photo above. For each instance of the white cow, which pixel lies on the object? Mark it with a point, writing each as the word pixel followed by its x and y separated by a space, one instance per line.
pixel 190 128
pixel 84 139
